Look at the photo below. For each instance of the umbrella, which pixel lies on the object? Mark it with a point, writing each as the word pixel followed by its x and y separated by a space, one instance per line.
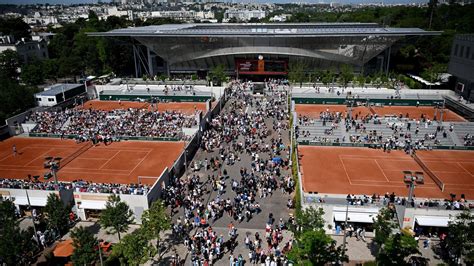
pixel 277 160
pixel 64 249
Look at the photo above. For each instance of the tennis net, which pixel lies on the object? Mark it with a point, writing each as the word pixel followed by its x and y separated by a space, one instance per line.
pixel 76 154
pixel 429 172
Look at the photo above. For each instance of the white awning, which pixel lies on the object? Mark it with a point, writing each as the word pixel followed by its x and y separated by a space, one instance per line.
pixel 34 201
pixel 436 221
pixel 20 201
pixel 354 217
pixel 38 201
pixel 93 204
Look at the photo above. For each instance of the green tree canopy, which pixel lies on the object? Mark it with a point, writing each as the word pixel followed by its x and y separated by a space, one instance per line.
pixel 9 64
pixel 398 249
pixel 117 215
pixel 134 249
pixel 85 247
pixel 383 226
pixel 296 72
pixel 32 73
pixel 310 219
pixel 316 248
pixel 218 75
pixel 460 238
pixel 16 246
pixel 15 27
pixel 155 220
pixel 57 215
pixel 346 75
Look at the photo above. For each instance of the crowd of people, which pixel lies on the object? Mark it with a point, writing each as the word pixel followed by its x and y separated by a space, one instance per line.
pixel 76 186
pixel 249 130
pixel 89 123
pixel 400 132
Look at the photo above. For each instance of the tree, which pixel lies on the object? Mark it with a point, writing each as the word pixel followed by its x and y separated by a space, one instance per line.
pixel 383 226
pixel 328 77
pixel 316 248
pixel 459 240
pixel 361 81
pixel 85 246
pixel 9 64
pixel 117 215
pixel 398 249
pixel 310 219
pixel 155 220
pixel 15 27
pixel 134 249
pixel 346 75
pixel 57 215
pixel 16 246
pixel 32 73
pixel 296 72
pixel 218 75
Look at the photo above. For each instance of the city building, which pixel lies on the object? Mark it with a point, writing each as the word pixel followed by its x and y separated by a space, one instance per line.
pixel 461 65
pixel 243 15
pixel 261 49
pixel 58 93
pixel 27 49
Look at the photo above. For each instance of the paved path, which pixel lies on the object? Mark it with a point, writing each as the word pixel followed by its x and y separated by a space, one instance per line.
pixel 276 204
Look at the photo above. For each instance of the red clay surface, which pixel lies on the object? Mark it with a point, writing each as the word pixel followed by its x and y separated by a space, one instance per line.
pixel 119 162
pixel 336 170
pixel 313 110
pixel 185 107
pixel 454 168
pixel 416 112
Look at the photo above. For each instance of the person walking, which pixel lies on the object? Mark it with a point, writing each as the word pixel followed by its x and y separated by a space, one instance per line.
pixel 14 150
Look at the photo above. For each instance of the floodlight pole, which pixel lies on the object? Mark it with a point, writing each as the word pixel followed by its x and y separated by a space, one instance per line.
pixel 32 218
pixel 411 189
pixel 345 229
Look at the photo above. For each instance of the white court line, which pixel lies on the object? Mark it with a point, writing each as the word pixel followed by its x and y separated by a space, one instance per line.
pixel 345 170
pixel 42 155
pixel 88 173
pixel 139 163
pixel 460 165
pixel 117 152
pixel 381 170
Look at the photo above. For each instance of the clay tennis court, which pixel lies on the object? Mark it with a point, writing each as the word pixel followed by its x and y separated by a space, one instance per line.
pixel 343 170
pixel 416 112
pixel 185 107
pixel 119 162
pixel 313 110
pixel 454 168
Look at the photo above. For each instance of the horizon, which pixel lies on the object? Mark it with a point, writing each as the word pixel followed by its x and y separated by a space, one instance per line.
pixel 72 2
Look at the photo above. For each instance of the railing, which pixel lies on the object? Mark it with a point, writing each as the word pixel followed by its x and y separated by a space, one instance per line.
pixel 74 136
pixel 373 145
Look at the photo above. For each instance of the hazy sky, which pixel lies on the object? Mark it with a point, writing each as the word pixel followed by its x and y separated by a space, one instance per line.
pixel 19 2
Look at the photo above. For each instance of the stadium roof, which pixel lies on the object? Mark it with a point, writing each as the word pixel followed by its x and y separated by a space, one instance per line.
pixel 58 88
pixel 264 29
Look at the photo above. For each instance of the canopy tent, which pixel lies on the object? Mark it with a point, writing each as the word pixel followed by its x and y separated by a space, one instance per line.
pixel 354 217
pixel 436 221
pixel 93 204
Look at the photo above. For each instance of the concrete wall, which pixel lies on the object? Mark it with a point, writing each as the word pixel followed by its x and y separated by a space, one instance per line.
pixel 137 203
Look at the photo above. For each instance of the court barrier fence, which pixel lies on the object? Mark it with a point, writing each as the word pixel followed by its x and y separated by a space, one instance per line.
pixel 75 154
pixel 369 145
pixel 74 136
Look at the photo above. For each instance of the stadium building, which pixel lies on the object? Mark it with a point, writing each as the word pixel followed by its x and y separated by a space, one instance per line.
pixel 256 50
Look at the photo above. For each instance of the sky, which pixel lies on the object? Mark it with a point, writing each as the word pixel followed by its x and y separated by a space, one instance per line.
pixel 19 2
